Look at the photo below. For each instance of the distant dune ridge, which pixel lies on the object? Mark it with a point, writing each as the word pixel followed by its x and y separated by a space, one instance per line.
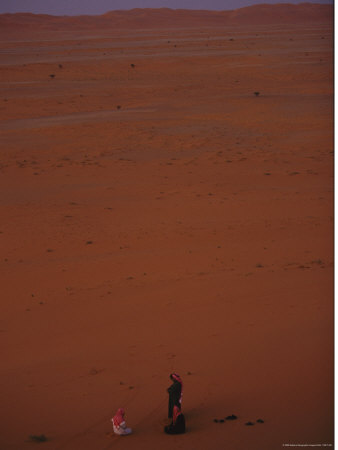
pixel 155 18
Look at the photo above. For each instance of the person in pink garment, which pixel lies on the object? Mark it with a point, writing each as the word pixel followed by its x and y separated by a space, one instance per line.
pixel 119 423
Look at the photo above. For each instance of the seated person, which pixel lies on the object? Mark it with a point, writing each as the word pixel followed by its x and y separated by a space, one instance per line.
pixel 119 423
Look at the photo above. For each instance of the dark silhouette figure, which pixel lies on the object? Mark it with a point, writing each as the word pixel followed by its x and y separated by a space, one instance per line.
pixel 175 394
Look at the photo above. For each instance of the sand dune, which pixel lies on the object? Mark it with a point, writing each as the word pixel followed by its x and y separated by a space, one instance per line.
pixel 167 205
pixel 156 18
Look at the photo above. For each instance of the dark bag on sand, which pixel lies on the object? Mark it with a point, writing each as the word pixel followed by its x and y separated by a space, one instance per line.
pixel 178 427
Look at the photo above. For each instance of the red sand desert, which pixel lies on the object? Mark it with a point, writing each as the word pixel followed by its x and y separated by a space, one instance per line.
pixel 159 216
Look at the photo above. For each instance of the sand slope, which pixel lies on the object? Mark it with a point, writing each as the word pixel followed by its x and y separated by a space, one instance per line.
pixel 164 17
pixel 161 217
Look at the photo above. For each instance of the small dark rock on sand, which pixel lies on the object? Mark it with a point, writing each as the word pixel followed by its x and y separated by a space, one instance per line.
pixel 260 421
pixel 40 438
pixel 232 417
pixel 219 420
pixel 249 424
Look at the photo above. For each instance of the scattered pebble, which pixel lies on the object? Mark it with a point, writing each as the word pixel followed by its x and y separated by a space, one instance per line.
pixel 40 438
pixel 249 424
pixel 260 421
pixel 232 417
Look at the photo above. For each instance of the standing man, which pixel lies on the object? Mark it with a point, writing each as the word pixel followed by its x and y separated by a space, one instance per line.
pixel 175 394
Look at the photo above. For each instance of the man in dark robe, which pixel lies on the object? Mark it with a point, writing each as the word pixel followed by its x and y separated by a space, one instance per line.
pixel 175 394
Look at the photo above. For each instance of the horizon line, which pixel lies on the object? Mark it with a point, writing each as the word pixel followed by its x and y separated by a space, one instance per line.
pixel 288 3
